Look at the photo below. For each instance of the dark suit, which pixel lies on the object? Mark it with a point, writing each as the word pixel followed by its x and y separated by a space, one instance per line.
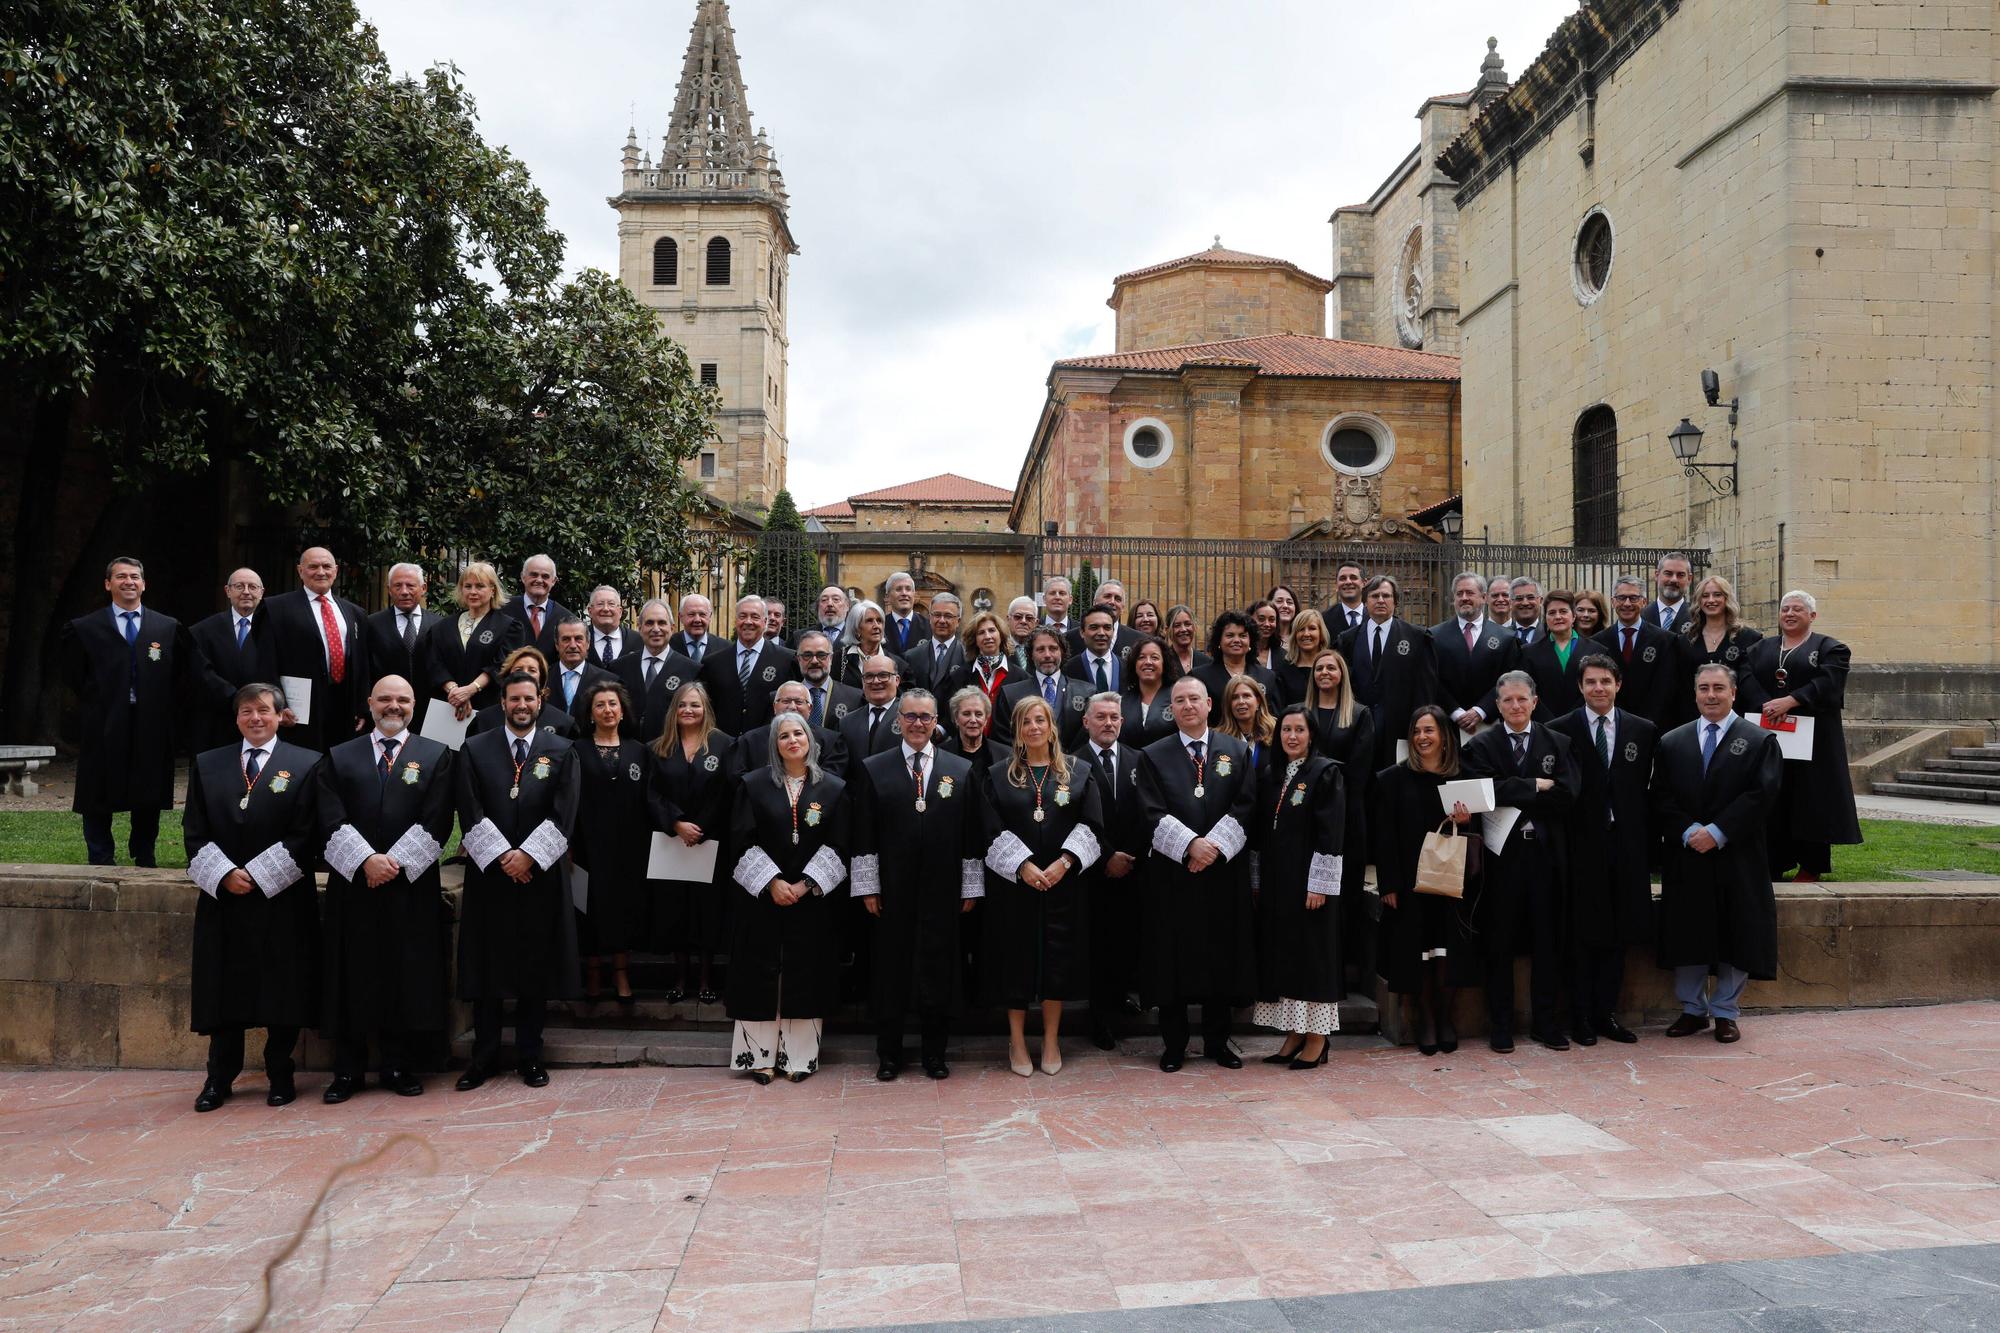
pixel 229 669
pixel 1084 665
pixel 589 674
pixel 901 644
pixel 650 703
pixel 1337 622
pixel 134 694
pixel 753 750
pixel 1116 904
pixel 1404 680
pixel 553 614
pixel 1075 697
pixel 1466 677
pixel 1214 673
pixel 712 643
pixel 836 702
pixel 389 655
pixel 1558 687
pixel 290 644
pixel 741 705
pixel 1610 834
pixel 864 742
pixel 1657 678
pixel 930 669
pixel 1682 609
pixel 629 644
pixel 449 660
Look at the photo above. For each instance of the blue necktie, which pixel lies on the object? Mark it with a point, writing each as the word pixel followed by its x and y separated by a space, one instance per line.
pixel 1049 690
pixel 1711 734
pixel 818 708
pixel 569 687
pixel 242 631
pixel 132 653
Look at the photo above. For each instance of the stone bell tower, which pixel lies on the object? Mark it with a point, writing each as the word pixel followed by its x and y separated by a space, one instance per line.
pixel 703 238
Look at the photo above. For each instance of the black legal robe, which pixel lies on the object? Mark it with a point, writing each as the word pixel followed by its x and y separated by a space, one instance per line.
pixel 256 954
pixel 229 668
pixel 694 914
pixel 1611 831
pixel 784 962
pixel 553 614
pixel 1558 684
pixel 1037 945
pixel 384 949
pixel 930 669
pixel 989 753
pixel 1145 722
pixel 1718 906
pixel 1658 678
pixel 1732 651
pixel 1353 748
pixel 447 659
pixel 1505 893
pixel 1116 904
pixel 1401 682
pixel 836 701
pixel 1072 698
pixel 517 940
pixel 552 719
pixel 863 741
pixel 919 864
pixel 741 705
pixel 651 704
pixel 753 750
pixel 1469 678
pixel 1816 800
pixel 1216 675
pixel 1420 928
pixel 132 699
pixel 1297 836
pixel 1199 929
pixel 614 836
pixel 896 640
pixel 290 643
pixel 388 655
pixel 848 657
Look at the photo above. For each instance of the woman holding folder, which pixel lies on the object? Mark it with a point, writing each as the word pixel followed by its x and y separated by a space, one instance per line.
pixel 1795 675
pixel 694 778
pixel 613 831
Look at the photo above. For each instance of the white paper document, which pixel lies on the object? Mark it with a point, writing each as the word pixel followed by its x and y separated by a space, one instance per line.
pixel 1493 829
pixel 298 696
pixel 1402 752
pixel 579 887
pixel 442 724
pixel 1794 733
pixel 673 859
pixel 1477 793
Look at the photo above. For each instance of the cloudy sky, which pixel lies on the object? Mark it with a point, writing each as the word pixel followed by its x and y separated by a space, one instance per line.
pixel 967 179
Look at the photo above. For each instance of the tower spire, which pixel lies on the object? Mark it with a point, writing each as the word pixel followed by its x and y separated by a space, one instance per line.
pixel 710 129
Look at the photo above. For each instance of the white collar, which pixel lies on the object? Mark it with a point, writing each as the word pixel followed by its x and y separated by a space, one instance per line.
pixel 1113 748
pixel 751 648
pixel 1189 742
pixel 1634 627
pixel 1478 622
pixel 267 747
pixel 513 735
pixel 120 612
pixel 1593 714
pixel 1528 730
pixel 401 738
pixel 1723 723
pixel 569 670
pixel 909 754
pixel 660 656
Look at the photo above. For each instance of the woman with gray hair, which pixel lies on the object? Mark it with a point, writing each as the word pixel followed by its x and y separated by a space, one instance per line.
pixel 1799 672
pixel 864 636
pixel 791 826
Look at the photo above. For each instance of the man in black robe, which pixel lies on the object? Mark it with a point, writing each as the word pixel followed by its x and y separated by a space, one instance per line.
pixel 228 644
pixel 871 728
pixel 517 794
pixel 1097 664
pixel 135 672
pixel 536 607
pixel 251 840
pixel 931 660
pixel 742 677
pixel 396 641
pixel 1715 780
pixel 1066 696
pixel 312 636
pixel 917 869
pixel 1393 665
pixel 1197 791
pixel 1610 833
pixel 609 639
pixel 386 805
pixel 903 626
pixel 828 699
pixel 572 673
pixel 1654 662
pixel 1472 654
pixel 1522 893
pixel 652 674
pixel 1115 900
pixel 753 747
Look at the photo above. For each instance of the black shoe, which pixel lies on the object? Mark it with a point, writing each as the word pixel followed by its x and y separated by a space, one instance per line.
pixel 1227 1058
pixel 533 1074
pixel 708 996
pixel 344 1086
pixel 213 1094
pixel 763 1077
pixel 1583 1037
pixel 1101 1038
pixel 1555 1041
pixel 675 995
pixel 1687 1025
pixel 402 1083
pixel 798 1075
pixel 936 1069
pixel 1447 1035
pixel 1501 1042
pixel 1281 1056
pixel 886 1071
pixel 1726 1031
pixel 1325 1049
pixel 283 1092
pixel 1171 1061
pixel 475 1074
pixel 1617 1031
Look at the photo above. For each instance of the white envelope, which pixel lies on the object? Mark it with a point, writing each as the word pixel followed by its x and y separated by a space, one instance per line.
pixel 1477 793
pixel 1402 752
pixel 442 724
pixel 670 858
pixel 1496 826
pixel 1795 744
pixel 298 696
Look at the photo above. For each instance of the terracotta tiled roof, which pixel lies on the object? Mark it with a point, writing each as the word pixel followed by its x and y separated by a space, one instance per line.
pixel 838 509
pixel 1284 354
pixel 1216 256
pixel 944 488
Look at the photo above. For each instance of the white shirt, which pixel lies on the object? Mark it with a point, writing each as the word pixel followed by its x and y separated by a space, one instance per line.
pixel 1351 615
pixel 752 649
pixel 697 648
pixel 930 760
pixel 402 739
pixel 1189 742
pixel 659 663
pixel 598 636
pixel 313 600
pixel 1668 610
pixel 1610 727
pixel 412 619
pixel 1110 665
pixel 263 752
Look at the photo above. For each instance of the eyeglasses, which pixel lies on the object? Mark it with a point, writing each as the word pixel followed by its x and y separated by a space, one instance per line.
pixel 878 675
pixel 925 719
pixel 815 657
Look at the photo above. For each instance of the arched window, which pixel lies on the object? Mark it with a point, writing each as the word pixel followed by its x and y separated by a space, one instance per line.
pixel 718 262
pixel 1594 482
pixel 666 263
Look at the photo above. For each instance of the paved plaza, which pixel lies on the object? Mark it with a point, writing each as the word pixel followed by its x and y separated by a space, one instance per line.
pixel 690 1198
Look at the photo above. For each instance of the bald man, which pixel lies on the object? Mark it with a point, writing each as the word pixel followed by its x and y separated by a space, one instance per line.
pixel 230 648
pixel 315 636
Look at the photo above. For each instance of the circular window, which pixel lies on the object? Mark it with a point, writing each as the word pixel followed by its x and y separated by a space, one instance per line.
pixel 1410 290
pixel 1595 241
pixel 1358 444
pixel 1148 442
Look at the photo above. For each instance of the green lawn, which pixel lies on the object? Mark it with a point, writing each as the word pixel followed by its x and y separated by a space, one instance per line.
pixel 55 837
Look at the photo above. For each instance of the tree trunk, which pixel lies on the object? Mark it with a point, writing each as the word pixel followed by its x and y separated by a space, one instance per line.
pixel 44 447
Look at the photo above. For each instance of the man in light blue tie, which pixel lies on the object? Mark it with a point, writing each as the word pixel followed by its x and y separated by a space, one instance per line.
pixel 1714 782
pixel 575 673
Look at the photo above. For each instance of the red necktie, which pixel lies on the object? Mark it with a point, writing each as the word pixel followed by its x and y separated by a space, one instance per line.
pixel 1469 637
pixel 1628 633
pixel 535 619
pixel 336 650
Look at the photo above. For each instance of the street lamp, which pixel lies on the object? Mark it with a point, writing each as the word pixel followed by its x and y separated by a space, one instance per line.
pixel 1685 440
pixel 1451 523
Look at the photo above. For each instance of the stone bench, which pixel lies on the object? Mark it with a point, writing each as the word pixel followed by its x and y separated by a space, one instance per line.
pixel 18 764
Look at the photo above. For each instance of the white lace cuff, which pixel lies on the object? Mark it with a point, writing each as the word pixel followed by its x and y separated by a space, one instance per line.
pixel 483 843
pixel 416 851
pixel 825 870
pixel 1323 874
pixel 274 869
pixel 972 878
pixel 1082 844
pixel 1227 835
pixel 1171 839
pixel 867 876
pixel 755 871
pixel 1006 855
pixel 546 844
pixel 346 850
pixel 209 867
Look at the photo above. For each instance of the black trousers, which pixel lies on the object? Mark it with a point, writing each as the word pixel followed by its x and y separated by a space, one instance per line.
pixel 935 1030
pixel 489 1015
pixel 1597 975
pixel 225 1053
pixel 399 1050
pixel 102 848
pixel 1215 1024
pixel 1534 912
pixel 1112 943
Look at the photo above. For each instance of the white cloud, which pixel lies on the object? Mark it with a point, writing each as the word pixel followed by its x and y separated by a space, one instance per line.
pixel 967 179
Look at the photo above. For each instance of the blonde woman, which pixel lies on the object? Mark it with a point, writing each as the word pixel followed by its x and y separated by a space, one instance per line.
pixel 1716 630
pixel 1294 669
pixel 989 657
pixel 1246 715
pixel 1045 829
pixel 694 775
pixel 463 653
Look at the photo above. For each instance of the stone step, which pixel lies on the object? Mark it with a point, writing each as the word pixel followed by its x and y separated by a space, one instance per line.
pixel 1989 765
pixel 1975 751
pixel 1937 778
pixel 1929 792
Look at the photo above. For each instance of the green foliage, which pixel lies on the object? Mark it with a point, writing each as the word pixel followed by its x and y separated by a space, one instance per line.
pixel 785 565
pixel 1084 588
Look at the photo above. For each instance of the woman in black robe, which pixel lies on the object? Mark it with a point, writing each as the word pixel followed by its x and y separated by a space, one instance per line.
pixel 1300 810
pixel 1294 670
pixel 1146 701
pixel 463 653
pixel 1799 672
pixel 614 830
pixel 971 739
pixel 789 838
pixel 553 718
pixel 1716 633
pixel 1229 656
pixel 694 781
pixel 1344 731
pixel 1045 826
pixel 1180 636
pixel 1419 930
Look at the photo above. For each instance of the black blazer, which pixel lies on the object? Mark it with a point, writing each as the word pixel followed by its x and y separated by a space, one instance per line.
pixel 1610 830
pixel 578 710
pixel 1215 674
pixel 1144 724
pixel 1465 679
pixel 740 707
pixel 1078 668
pixel 1336 620
pixel 228 669
pixel 928 669
pixel 1651 615
pixel 920 632
pixel 1069 720
pixel 862 743
pixel 1124 821
pixel 651 704
pixel 629 644
pixel 678 642
pixel 289 644
pixel 1558 689
pixel 552 615
pixel 1406 682
pixel 1658 677
pixel 446 659
pixel 387 655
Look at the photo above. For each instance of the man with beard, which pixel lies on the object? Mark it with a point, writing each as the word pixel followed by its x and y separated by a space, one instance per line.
pixel 829 701
pixel 386 804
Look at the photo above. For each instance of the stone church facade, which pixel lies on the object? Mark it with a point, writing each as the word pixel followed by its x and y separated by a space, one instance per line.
pixel 704 238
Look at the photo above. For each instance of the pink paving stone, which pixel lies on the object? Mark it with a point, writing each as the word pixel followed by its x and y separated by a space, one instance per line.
pixel 621 1302
pixel 1599 1240
pixel 888 1294
pixel 471 1306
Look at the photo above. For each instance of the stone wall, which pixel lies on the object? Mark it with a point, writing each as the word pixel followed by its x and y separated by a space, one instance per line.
pixel 1201 303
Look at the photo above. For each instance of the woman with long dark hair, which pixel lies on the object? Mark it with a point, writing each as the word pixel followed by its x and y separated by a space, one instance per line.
pixel 1419 930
